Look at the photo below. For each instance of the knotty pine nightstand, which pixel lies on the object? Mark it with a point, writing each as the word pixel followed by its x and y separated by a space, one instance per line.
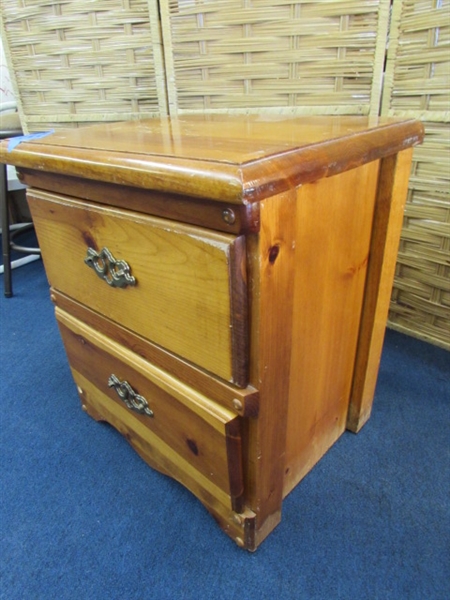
pixel 222 286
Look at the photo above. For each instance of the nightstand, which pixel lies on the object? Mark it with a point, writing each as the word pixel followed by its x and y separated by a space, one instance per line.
pixel 222 285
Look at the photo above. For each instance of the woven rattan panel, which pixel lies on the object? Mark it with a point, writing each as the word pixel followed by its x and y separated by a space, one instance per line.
pixel 79 61
pixel 283 55
pixel 421 298
pixel 418 85
pixel 418 66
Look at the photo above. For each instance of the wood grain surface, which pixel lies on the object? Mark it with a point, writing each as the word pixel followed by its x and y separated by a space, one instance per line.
pixel 220 157
pixel 198 430
pixel 332 252
pixel 190 292
pixel 256 324
pixel 388 221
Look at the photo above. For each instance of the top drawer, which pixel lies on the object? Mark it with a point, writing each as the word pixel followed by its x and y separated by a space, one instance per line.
pixel 188 292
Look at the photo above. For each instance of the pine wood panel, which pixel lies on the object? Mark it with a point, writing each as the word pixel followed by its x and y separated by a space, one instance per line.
pixel 164 459
pixel 242 401
pixel 221 158
pixel 271 284
pixel 334 222
pixel 195 211
pixel 190 295
pixel 199 431
pixel 390 203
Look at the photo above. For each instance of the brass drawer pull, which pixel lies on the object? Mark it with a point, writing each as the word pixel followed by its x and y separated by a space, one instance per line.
pixel 126 393
pixel 116 273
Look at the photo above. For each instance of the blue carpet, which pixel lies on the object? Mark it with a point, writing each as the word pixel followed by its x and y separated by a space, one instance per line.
pixel 82 516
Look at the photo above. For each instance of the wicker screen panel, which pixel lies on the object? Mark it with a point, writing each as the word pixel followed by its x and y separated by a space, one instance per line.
pixel 321 57
pixel 79 61
pixel 417 84
pixel 417 81
pixel 420 303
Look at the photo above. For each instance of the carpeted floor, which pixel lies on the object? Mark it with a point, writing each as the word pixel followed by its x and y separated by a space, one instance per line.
pixel 83 518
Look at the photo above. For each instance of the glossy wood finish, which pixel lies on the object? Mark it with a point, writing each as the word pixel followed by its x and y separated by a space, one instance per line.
pixel 271 286
pixel 243 401
pixel 198 431
pixel 190 292
pixel 218 157
pixel 332 252
pixel 388 220
pixel 220 216
pixel 266 324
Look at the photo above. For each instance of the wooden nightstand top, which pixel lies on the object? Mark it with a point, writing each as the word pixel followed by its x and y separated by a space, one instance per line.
pixel 238 159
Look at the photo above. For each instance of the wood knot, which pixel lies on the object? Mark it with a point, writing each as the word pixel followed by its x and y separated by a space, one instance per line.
pixel 192 446
pixel 273 253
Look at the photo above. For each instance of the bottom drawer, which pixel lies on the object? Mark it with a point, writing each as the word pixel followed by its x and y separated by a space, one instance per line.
pixel 174 428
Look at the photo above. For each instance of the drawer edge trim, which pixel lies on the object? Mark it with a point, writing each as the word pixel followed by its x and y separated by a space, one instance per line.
pixel 215 414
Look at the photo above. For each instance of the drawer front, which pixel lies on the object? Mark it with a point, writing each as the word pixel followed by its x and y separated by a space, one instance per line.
pixel 183 431
pixel 182 287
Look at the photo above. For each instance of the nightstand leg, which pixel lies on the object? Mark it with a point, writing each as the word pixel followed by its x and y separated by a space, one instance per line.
pixel 387 226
